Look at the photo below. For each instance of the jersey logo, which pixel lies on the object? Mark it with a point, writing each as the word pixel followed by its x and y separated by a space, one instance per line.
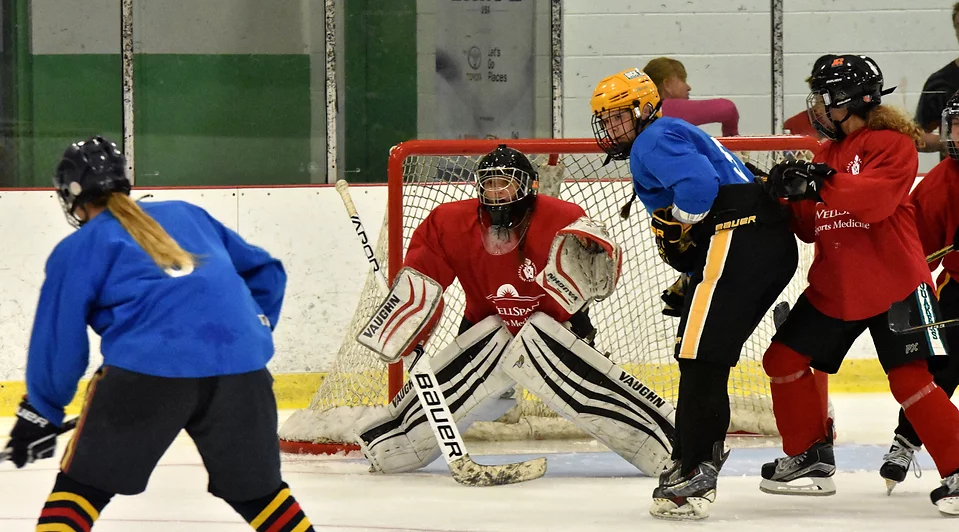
pixel 854 165
pixel 527 271
pixel 512 307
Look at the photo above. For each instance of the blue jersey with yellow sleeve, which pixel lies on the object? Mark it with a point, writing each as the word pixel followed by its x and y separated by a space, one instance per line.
pixel 674 163
pixel 215 320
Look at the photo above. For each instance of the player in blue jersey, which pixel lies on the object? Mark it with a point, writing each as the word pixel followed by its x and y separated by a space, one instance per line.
pixel 185 310
pixel 711 218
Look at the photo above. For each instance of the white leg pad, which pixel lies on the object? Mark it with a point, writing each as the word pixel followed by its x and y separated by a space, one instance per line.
pixel 599 397
pixel 398 438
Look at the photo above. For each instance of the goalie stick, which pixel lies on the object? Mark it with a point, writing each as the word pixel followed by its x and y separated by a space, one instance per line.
pixel 67 427
pixel 463 469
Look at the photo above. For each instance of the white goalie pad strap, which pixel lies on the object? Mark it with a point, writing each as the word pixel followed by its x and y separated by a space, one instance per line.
pixel 398 438
pixel 584 264
pixel 599 397
pixel 405 318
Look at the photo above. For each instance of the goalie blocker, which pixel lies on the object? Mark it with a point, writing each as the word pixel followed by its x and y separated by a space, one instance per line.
pixel 405 318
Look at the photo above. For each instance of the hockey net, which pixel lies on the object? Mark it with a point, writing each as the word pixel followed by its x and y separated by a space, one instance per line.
pixel 630 324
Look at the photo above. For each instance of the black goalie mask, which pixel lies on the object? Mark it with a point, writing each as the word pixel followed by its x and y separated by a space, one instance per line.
pixel 949 129
pixel 88 171
pixel 852 82
pixel 506 187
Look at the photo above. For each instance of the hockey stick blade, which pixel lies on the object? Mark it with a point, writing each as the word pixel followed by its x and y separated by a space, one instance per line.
pixel 780 313
pixel 462 468
pixel 67 427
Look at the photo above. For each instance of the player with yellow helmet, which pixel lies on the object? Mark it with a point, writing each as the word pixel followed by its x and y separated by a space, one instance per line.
pixel 710 218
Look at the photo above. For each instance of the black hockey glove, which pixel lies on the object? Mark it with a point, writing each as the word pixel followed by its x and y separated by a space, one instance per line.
pixel 674 296
pixel 798 180
pixel 675 245
pixel 33 437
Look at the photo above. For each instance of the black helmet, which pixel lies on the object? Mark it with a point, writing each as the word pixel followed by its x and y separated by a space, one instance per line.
pixel 852 82
pixel 506 185
pixel 88 171
pixel 950 121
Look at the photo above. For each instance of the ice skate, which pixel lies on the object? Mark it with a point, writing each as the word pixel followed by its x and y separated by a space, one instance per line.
pixel 946 496
pixel 688 497
pixel 809 473
pixel 896 463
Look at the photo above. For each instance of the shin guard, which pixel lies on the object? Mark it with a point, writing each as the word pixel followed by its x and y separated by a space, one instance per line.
pixel 930 411
pixel 797 401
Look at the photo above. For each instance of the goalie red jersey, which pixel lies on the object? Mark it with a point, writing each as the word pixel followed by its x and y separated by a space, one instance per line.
pixel 868 254
pixel 448 245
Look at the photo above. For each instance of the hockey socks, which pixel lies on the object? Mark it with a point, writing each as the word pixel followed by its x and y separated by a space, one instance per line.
pixel 72 507
pixel 797 399
pixel 276 512
pixel 702 417
pixel 930 411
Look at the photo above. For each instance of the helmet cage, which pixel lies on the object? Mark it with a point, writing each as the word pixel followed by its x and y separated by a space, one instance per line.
pixel 505 194
pixel 949 128
pixel 615 134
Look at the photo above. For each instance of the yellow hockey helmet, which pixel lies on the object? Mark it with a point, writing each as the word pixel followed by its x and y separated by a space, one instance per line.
pixel 623 104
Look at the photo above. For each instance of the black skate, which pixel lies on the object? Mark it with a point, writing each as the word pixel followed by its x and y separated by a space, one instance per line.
pixel 896 463
pixel 946 497
pixel 688 497
pixel 809 473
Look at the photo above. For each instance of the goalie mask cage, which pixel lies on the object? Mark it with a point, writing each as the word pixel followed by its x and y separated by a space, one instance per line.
pixel 630 325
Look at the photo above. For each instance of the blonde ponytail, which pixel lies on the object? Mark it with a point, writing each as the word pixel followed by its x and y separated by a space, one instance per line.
pixel 885 117
pixel 149 234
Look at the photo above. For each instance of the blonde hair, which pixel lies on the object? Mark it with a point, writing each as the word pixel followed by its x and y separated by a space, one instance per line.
pixel 161 247
pixel 663 68
pixel 885 117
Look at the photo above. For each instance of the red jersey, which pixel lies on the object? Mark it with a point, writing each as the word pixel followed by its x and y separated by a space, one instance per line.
pixel 798 124
pixel 448 245
pixel 935 199
pixel 868 253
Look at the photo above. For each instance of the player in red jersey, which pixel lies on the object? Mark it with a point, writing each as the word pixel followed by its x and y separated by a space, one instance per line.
pixel 852 201
pixel 937 219
pixel 528 265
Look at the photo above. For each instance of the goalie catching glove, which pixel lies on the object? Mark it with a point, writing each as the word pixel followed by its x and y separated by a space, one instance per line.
pixel 405 318
pixel 673 241
pixel 583 265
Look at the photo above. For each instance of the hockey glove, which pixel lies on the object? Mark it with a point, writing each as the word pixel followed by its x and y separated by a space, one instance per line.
pixel 798 180
pixel 674 296
pixel 33 437
pixel 673 241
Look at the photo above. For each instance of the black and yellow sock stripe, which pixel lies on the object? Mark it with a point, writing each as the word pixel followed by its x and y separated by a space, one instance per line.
pixel 277 512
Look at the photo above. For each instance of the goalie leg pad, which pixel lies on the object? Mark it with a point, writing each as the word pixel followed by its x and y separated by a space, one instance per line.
pixel 599 397
pixel 405 318
pixel 398 438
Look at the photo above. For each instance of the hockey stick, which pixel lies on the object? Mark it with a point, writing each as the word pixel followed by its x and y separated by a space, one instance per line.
pixel 899 321
pixel 463 469
pixel 939 254
pixel 67 427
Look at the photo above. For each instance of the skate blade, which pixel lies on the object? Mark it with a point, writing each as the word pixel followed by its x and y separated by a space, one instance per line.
pixel 695 509
pixel 890 485
pixel 948 507
pixel 809 486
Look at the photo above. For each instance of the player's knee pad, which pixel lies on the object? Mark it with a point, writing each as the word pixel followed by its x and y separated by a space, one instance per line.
pixel 910 382
pixel 599 397
pixel 277 510
pixel 72 505
pixel 784 365
pixel 398 438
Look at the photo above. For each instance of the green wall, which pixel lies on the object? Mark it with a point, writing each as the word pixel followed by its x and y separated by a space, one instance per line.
pixel 199 119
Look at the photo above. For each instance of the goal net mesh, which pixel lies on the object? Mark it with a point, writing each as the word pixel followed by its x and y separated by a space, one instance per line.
pixel 630 324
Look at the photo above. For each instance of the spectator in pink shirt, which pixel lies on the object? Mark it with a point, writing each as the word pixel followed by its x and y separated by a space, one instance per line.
pixel 669 75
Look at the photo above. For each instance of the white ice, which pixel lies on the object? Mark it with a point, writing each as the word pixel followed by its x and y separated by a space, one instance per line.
pixel 586 489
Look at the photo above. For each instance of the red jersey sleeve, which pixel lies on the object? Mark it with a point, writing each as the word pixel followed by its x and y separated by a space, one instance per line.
pixel 427 254
pixel 933 212
pixel 887 172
